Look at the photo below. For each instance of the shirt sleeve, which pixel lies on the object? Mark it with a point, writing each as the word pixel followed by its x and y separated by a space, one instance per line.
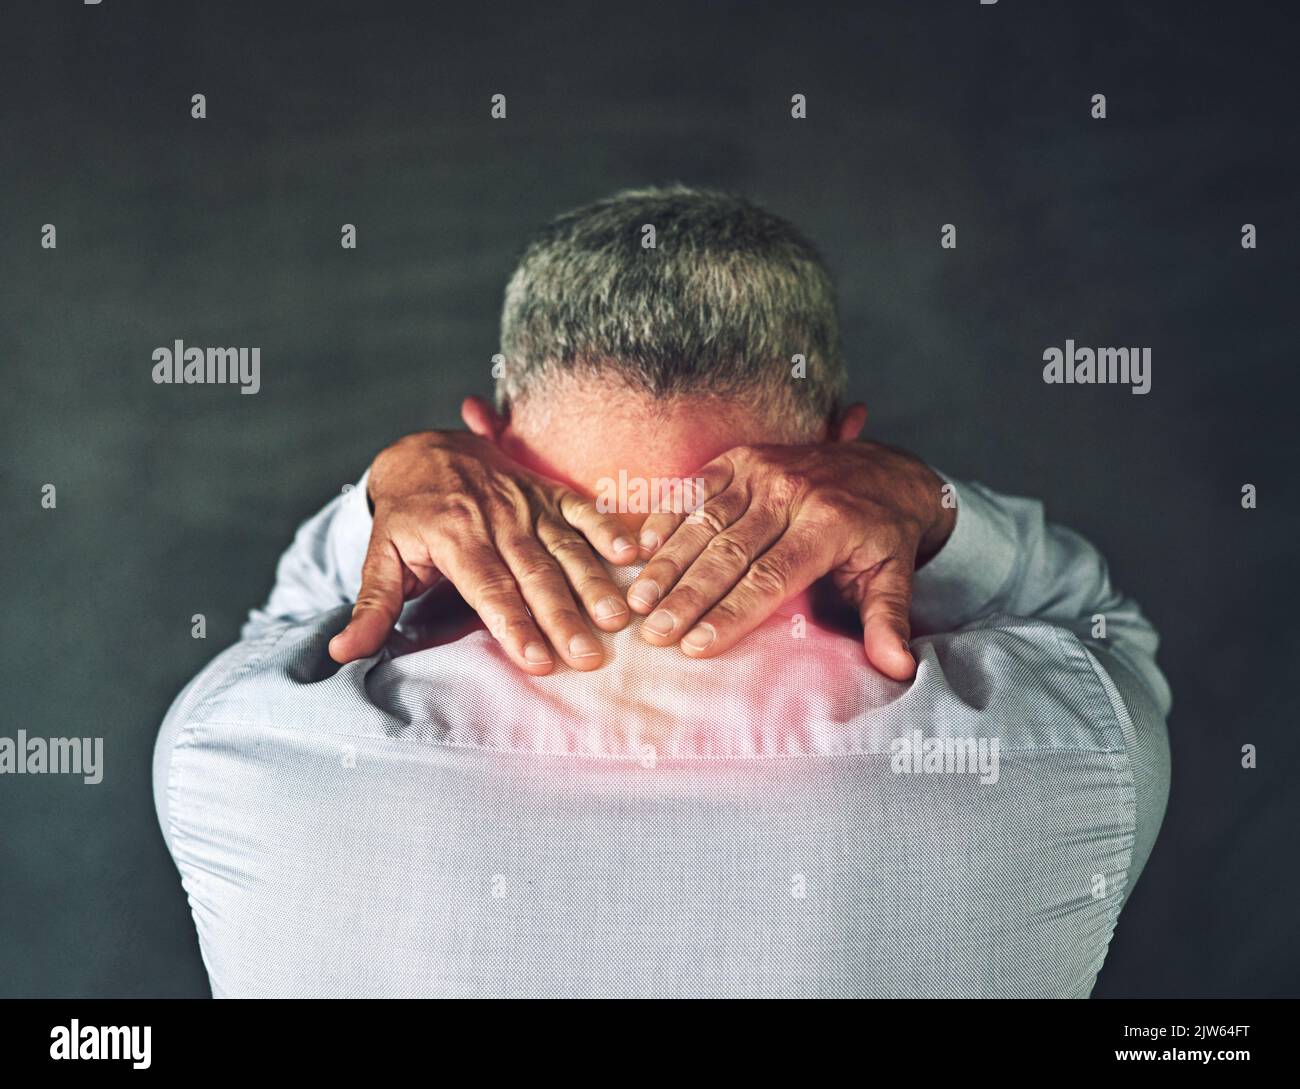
pixel 322 568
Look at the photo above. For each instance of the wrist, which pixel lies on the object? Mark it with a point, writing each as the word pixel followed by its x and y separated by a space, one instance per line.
pixel 940 520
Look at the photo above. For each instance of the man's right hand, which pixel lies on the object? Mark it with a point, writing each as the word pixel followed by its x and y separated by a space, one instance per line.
pixel 517 547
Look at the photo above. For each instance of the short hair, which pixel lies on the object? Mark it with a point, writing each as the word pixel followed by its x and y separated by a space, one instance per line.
pixel 721 305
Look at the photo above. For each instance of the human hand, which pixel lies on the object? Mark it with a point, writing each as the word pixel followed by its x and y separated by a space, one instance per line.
pixel 449 503
pixel 777 518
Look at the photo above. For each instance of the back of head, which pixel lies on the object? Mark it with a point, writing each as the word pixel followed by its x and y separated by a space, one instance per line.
pixel 676 293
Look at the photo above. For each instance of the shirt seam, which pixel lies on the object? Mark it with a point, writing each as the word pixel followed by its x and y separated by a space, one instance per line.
pixel 626 757
pixel 1122 767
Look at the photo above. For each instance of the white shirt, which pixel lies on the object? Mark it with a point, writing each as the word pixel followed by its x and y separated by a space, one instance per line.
pixel 432 821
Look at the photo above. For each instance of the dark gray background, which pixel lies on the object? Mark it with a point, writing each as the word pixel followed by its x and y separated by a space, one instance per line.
pixel 177 500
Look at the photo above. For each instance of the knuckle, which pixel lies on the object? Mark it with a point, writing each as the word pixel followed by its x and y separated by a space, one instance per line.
pixel 569 547
pixel 729 551
pixel 664 569
pixel 661 522
pixel 768 577
pixel 536 569
pixel 372 602
pixel 727 612
pixel 497 587
pixel 592 585
pixel 787 485
pixel 375 569
pixel 572 509
pixel 685 600
pixel 708 519
pixel 516 541
pixel 517 623
pixel 890 601
pixel 502 491
pixel 458 514
pixel 564 617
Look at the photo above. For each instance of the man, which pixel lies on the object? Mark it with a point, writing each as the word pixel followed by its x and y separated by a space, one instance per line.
pixel 949 788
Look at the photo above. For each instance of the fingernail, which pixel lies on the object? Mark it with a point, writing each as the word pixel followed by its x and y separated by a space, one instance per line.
pixel 624 544
pixel 609 607
pixel 661 623
pixel 583 646
pixel 536 654
pixel 700 636
pixel 649 541
pixel 644 592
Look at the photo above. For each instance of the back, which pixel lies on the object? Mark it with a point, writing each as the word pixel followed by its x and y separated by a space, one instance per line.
pixel 437 823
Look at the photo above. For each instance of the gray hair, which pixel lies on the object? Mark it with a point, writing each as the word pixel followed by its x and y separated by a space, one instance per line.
pixel 719 307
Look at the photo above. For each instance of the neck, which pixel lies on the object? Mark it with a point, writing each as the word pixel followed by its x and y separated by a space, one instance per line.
pixel 629 449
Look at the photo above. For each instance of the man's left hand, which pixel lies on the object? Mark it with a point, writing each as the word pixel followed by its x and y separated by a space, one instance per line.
pixel 777 518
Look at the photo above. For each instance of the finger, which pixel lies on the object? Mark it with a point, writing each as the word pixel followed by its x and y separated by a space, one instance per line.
pixel 489 588
pixel 656 529
pixel 789 567
pixel 605 531
pixel 689 495
pixel 716 570
pixel 586 574
pixel 671 561
pixel 546 591
pixel 379 604
pixel 886 626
